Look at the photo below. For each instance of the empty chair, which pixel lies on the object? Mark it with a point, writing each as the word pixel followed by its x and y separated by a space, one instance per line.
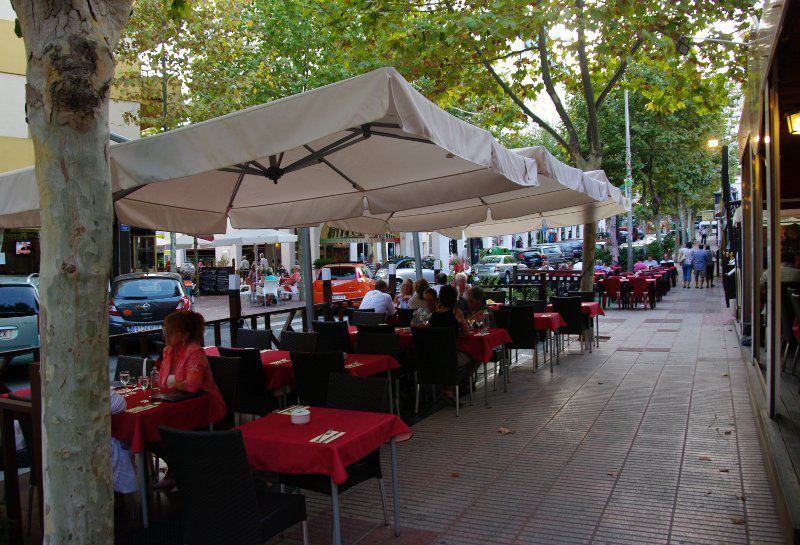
pixel 298 341
pixel 133 365
pixel 383 328
pixel 639 291
pixel 586 296
pixel 311 371
pixel 496 296
pixel 252 395
pixel 253 338
pixel 377 342
pixel 521 328
pixel 612 289
pixel 226 374
pixel 576 322
pixel 332 336
pixel 360 317
pixel 219 501
pixel 437 360
pixel 404 316
pixel 355 394
pixel 535 305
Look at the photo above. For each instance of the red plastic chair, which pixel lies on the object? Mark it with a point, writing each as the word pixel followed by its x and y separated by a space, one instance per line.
pixel 611 290
pixel 639 291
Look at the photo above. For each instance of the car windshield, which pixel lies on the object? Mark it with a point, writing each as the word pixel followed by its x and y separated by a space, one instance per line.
pixel 147 288
pixel 18 301
pixel 343 273
pixel 530 255
pixel 491 259
pixel 550 250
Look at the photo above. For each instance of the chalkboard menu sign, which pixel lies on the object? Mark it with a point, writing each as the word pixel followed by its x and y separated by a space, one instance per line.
pixel 214 280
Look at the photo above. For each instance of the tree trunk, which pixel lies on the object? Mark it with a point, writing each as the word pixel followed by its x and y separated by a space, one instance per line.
pixel 614 240
pixel 658 227
pixel 590 228
pixel 70 46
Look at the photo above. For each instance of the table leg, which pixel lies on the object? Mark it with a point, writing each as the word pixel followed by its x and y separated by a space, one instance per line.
pixel 535 354
pixel 337 531
pixel 391 394
pixel 558 351
pixel 505 366
pixel 597 330
pixel 395 489
pixel 140 456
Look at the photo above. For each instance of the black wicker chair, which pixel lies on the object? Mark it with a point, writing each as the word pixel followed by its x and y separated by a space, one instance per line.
pixel 405 316
pixel 252 395
pixel 253 338
pixel 333 336
pixel 437 360
pixel 355 394
pixel 312 371
pixel 361 317
pixel 576 322
pixel 298 341
pixel 586 296
pixel 226 375
pixel 133 365
pixel 219 500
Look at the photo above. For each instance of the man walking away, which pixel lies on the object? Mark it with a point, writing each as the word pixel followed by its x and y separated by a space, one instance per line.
pixel 703 234
pixel 709 267
pixel 699 265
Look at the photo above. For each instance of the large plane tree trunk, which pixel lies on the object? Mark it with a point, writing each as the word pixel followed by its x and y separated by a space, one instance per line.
pixel 590 227
pixel 69 47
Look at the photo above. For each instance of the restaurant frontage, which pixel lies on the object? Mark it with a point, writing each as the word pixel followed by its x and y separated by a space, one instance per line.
pixel 768 260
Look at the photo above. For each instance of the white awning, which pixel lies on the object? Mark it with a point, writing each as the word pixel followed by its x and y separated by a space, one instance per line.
pixel 367 143
pixel 247 237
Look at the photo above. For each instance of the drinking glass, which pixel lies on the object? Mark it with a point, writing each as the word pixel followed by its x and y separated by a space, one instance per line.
pixel 144 382
pixel 125 378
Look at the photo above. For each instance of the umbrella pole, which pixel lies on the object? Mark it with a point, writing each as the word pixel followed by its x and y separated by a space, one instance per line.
pixel 308 281
pixel 417 256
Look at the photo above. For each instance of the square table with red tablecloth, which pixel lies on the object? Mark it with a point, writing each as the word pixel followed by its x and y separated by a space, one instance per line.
pixel 274 444
pixel 279 373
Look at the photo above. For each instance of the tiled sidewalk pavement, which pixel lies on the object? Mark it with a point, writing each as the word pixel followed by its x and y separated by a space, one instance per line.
pixel 650 439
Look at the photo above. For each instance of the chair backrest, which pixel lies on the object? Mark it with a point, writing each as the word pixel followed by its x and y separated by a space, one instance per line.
pixel 298 341
pixel 270 287
pixel 535 305
pixel 521 325
pixel 436 352
pixel 252 396
pixel 638 284
pixel 218 502
pixel 586 296
pixel 133 365
pixel 612 285
pixel 312 371
pixel 252 338
pixel 496 296
pixel 405 316
pixel 358 393
pixel 570 310
pixel 502 318
pixel 383 328
pixel 369 342
pixel 359 317
pixel 333 336
pixel 226 374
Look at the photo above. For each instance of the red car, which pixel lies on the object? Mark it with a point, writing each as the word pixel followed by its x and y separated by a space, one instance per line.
pixel 348 281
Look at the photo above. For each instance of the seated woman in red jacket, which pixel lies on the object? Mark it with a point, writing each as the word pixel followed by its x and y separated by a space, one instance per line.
pixel 184 365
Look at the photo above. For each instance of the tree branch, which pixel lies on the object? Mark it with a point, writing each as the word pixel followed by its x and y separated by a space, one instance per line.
pixel 623 65
pixel 592 129
pixel 551 90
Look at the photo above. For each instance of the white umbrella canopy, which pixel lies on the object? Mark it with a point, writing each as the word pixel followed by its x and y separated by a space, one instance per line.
pixel 183 242
pixel 322 155
pixel 564 196
pixel 247 237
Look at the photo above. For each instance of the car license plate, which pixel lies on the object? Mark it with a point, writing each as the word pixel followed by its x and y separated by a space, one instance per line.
pixel 138 328
pixel 339 297
pixel 8 334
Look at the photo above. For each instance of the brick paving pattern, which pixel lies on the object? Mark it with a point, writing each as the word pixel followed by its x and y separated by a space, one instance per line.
pixel 650 439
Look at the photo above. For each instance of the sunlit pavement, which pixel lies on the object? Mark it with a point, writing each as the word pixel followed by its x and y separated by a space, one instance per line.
pixel 650 439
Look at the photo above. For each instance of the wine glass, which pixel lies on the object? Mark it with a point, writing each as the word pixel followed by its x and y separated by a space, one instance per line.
pixel 125 378
pixel 144 382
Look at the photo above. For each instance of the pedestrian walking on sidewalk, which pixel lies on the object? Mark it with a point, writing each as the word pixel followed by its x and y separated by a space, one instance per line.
pixel 685 259
pixel 709 267
pixel 703 234
pixel 699 265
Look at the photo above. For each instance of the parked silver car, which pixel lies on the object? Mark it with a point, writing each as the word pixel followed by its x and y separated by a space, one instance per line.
pixel 553 253
pixel 404 268
pixel 497 266
pixel 19 313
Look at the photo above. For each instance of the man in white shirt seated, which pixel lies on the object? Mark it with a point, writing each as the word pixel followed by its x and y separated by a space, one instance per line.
pixel 650 262
pixel 378 300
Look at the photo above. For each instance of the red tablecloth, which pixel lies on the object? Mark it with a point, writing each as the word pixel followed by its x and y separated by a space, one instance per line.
pixel 140 428
pixel 592 309
pixel 282 374
pixel 273 443
pixel 548 320
pixel 479 345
